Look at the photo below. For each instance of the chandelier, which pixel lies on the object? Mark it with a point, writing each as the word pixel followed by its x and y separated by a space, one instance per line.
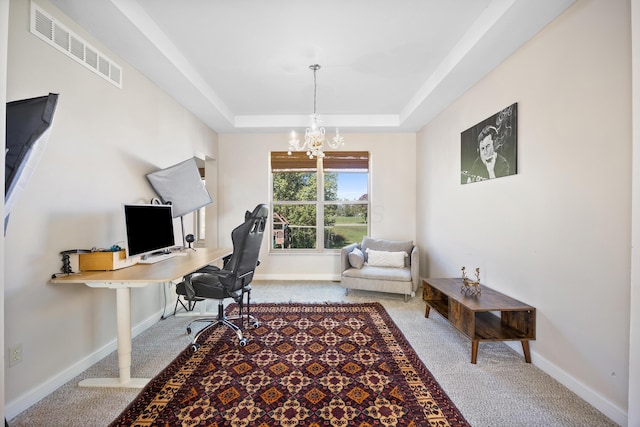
pixel 314 135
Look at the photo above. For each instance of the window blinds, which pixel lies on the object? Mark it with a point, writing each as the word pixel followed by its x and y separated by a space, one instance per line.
pixel 281 161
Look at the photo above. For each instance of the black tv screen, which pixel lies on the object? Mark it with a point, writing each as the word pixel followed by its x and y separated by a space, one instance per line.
pixel 149 228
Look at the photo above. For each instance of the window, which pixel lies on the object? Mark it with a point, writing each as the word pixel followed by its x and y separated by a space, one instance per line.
pixel 199 219
pixel 319 204
pixel 200 225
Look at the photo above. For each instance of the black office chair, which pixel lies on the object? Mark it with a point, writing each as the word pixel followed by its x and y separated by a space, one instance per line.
pixel 233 280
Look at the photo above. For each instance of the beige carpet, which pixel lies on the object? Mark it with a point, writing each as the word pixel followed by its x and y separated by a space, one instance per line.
pixel 501 390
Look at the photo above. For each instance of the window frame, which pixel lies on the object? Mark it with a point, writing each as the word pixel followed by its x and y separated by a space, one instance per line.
pixel 199 219
pixel 337 159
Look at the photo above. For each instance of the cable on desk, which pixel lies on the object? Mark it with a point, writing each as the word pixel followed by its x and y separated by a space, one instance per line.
pixel 164 305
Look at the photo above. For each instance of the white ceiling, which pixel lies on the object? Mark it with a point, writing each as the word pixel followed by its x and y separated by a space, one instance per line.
pixel 243 65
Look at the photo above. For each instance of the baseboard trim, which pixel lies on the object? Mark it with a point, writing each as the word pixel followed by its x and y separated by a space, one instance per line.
pixel 33 396
pixel 298 277
pixel 595 399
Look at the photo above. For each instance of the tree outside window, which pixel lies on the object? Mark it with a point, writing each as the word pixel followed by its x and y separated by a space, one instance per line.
pixel 332 191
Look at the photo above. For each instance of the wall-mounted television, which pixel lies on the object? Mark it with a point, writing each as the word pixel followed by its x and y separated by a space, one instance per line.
pixel 149 228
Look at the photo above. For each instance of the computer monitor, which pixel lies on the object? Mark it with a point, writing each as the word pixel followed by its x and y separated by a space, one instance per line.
pixel 149 228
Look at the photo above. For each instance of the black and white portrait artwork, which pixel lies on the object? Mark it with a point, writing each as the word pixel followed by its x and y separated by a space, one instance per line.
pixel 489 149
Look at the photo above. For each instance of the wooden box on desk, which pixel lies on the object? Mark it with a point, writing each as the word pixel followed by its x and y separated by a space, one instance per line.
pixel 103 261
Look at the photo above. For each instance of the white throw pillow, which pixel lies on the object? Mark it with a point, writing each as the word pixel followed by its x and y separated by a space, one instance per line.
pixel 386 259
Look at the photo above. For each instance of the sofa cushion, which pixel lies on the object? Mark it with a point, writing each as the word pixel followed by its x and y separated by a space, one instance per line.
pixel 356 258
pixel 386 245
pixel 380 273
pixel 386 259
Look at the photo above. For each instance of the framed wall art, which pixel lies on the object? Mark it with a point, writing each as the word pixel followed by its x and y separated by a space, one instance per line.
pixel 489 149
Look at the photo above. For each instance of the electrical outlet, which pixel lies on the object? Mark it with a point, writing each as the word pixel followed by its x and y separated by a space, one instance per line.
pixel 15 355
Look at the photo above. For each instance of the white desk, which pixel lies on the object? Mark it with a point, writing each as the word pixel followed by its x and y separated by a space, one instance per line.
pixel 137 276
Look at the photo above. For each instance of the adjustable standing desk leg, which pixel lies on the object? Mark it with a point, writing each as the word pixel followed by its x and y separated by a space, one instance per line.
pixel 123 313
pixel 123 303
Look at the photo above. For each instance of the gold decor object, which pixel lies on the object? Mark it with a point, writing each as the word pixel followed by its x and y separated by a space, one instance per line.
pixel 470 287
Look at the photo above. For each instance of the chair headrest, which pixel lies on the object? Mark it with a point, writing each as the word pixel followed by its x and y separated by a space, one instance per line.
pixel 260 211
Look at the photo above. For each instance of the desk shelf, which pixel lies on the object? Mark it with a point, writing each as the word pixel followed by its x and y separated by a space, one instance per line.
pixel 490 327
pixel 441 306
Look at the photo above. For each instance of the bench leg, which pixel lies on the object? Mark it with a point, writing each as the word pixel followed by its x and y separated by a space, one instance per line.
pixel 526 351
pixel 474 351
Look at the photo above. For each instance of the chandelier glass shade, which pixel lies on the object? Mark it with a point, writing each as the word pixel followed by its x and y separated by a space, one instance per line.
pixel 314 135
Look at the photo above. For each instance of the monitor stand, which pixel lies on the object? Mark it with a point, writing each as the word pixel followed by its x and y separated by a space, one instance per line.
pixel 160 256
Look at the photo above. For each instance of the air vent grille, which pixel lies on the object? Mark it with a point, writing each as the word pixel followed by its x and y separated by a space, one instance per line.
pixel 45 27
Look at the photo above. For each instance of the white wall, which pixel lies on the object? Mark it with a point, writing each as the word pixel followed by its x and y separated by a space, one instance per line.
pixel 634 335
pixel 103 142
pixel 557 234
pixel 4 32
pixel 244 182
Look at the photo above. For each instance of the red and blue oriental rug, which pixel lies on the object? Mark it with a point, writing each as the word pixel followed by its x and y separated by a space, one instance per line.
pixel 315 365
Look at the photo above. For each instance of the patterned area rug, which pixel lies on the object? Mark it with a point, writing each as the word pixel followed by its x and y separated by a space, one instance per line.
pixel 306 365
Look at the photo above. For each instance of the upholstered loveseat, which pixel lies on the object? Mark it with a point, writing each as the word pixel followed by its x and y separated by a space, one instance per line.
pixel 380 265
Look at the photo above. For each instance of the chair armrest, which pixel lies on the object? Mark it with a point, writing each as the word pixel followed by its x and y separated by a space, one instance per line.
pixel 344 256
pixel 415 267
pixel 188 286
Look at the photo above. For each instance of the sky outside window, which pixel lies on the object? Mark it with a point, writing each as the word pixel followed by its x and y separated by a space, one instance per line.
pixel 351 186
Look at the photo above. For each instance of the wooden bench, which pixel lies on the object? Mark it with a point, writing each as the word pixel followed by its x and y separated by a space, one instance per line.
pixel 472 314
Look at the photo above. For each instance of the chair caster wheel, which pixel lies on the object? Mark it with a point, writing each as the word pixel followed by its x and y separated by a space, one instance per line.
pixel 256 324
pixel 188 330
pixel 243 342
pixel 195 347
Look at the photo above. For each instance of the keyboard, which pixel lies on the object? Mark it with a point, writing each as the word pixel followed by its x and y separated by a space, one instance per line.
pixel 152 259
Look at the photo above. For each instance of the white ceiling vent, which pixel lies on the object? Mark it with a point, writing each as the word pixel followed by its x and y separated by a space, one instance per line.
pixel 57 35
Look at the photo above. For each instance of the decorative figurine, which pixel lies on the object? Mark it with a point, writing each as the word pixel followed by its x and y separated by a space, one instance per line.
pixel 470 287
